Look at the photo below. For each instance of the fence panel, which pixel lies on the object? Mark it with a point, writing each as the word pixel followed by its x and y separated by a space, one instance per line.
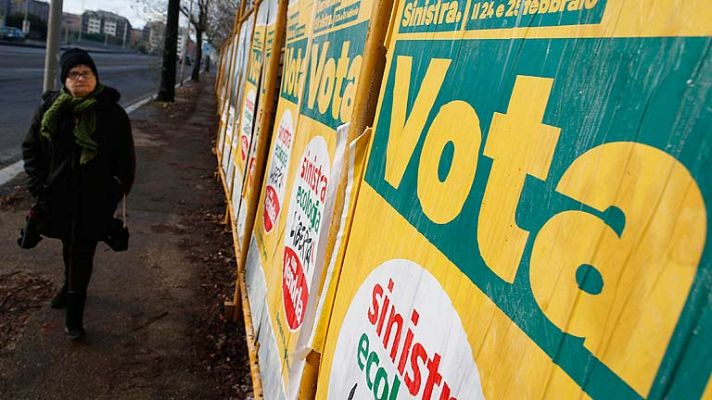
pixel 532 221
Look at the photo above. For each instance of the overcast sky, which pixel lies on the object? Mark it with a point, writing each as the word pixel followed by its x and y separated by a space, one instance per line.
pixel 126 8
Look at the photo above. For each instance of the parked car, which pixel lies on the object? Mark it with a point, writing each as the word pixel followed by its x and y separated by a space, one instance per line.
pixel 12 33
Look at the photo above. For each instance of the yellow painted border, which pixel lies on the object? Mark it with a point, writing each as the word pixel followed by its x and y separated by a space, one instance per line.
pixel 621 19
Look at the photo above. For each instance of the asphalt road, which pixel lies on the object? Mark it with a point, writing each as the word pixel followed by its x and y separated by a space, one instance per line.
pixel 21 77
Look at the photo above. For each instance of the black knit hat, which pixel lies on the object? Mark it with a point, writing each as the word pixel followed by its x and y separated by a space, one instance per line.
pixel 73 57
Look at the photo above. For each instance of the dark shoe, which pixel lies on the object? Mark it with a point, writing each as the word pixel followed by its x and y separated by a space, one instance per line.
pixel 74 334
pixel 74 316
pixel 59 300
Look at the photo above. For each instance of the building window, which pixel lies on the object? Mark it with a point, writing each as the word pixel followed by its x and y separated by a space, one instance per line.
pixel 110 28
pixel 94 25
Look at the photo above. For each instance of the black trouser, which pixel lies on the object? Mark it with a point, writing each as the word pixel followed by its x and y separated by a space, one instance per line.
pixel 78 264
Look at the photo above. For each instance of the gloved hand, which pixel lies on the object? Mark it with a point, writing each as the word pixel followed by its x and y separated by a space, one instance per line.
pixel 30 234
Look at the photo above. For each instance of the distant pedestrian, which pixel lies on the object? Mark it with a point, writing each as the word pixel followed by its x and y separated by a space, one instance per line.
pixel 79 155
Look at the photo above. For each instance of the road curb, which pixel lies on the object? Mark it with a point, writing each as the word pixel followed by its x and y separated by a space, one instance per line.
pixel 135 106
pixel 11 171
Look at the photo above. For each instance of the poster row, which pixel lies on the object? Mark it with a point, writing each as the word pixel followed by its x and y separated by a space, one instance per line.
pixel 472 199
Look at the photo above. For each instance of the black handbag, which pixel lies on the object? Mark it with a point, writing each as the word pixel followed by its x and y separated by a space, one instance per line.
pixel 30 235
pixel 36 219
pixel 117 235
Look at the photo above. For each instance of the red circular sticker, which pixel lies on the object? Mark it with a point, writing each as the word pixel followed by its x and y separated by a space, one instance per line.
pixel 271 208
pixel 248 115
pixel 245 144
pixel 294 288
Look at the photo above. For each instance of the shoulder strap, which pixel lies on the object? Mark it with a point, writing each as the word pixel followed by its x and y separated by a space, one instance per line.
pixel 123 211
pixel 49 97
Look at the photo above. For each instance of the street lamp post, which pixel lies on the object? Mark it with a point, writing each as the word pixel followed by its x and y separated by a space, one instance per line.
pixel 52 49
pixel 186 36
pixel 5 13
pixel 25 22
pixel 126 28
pixel 81 23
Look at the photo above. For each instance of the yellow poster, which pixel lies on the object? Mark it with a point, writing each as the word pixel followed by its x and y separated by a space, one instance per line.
pixel 287 260
pixel 250 98
pixel 224 104
pixel 263 119
pixel 260 267
pixel 532 221
pixel 237 100
pixel 220 81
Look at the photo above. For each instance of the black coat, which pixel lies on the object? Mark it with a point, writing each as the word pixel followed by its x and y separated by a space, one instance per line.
pixel 79 200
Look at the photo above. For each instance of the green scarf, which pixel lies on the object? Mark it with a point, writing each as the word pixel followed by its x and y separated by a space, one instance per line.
pixel 83 110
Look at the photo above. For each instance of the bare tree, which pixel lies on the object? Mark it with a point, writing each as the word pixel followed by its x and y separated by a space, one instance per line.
pixel 200 23
pixel 213 19
pixel 221 20
pixel 152 10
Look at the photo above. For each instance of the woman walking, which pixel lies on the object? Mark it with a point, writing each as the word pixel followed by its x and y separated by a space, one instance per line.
pixel 79 155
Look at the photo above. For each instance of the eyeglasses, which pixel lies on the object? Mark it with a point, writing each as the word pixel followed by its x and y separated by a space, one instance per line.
pixel 79 75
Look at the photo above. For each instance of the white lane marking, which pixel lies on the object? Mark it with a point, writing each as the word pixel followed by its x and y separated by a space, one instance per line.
pixel 11 171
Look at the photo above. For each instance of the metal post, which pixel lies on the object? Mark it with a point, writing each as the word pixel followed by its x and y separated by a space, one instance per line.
pixel 81 23
pixel 185 42
pixel 25 22
pixel 5 12
pixel 126 28
pixel 52 49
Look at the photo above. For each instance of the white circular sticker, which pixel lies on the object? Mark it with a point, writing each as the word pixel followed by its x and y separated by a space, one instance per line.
pixel 402 339
pixel 248 115
pixel 301 239
pixel 277 176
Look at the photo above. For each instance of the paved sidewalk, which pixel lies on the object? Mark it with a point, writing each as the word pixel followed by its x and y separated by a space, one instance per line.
pixel 149 310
